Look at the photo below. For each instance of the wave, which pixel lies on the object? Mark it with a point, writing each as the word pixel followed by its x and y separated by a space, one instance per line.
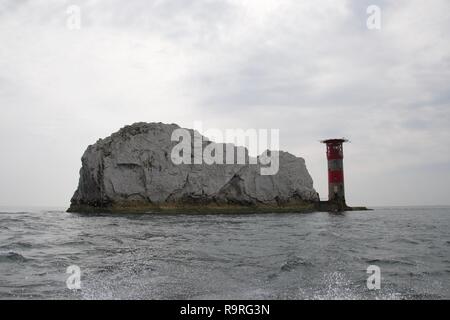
pixel 406 240
pixel 76 243
pixel 391 261
pixel 10 220
pixel 293 263
pixel 12 256
pixel 17 212
pixel 18 244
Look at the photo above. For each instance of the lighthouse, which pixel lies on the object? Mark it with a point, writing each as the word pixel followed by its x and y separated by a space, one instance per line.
pixel 335 156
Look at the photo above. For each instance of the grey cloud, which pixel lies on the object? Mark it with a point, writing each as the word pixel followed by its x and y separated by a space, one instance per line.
pixel 313 70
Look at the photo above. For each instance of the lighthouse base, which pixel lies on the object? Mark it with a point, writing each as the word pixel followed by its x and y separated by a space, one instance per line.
pixel 335 206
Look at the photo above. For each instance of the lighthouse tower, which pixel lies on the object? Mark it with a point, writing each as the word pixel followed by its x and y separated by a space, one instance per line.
pixel 335 156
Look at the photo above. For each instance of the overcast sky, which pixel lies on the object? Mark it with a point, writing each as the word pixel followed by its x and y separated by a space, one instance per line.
pixel 310 68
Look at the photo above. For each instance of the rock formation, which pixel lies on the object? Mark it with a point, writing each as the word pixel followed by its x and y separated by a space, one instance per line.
pixel 132 171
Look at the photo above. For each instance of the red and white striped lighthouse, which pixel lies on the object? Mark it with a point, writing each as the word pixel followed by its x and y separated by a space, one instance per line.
pixel 335 156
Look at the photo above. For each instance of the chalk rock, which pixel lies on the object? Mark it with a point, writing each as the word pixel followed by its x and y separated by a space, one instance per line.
pixel 134 165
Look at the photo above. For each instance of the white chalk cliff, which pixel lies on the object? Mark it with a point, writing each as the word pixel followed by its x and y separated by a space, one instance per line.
pixel 133 167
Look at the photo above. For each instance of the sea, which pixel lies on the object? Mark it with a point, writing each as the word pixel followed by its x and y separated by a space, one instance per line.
pixel 387 253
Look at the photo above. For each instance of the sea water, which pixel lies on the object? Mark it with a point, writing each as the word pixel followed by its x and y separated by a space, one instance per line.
pixel 225 256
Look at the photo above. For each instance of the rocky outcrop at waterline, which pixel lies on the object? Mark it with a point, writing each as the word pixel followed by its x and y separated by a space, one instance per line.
pixel 132 171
